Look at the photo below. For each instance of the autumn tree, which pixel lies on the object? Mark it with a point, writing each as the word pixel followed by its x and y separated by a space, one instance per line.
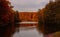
pixel 51 17
pixel 7 26
pixel 40 20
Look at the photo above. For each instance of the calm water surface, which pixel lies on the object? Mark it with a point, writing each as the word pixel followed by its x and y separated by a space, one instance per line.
pixel 28 32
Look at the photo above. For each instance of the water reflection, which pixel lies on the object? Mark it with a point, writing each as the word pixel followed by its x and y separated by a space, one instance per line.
pixel 28 32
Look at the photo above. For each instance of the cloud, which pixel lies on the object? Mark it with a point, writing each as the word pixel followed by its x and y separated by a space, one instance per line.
pixel 28 5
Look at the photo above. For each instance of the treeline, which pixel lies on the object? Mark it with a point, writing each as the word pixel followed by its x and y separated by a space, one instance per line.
pixel 49 18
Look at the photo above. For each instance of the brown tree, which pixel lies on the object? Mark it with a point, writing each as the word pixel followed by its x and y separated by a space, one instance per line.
pixel 51 19
pixel 7 26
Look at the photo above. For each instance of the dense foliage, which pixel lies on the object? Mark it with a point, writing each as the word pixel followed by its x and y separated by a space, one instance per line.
pixel 7 19
pixel 51 19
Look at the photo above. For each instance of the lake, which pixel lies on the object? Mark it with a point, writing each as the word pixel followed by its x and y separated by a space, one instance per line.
pixel 28 32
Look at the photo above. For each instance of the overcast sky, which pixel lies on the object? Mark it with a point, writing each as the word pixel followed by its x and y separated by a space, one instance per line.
pixel 28 5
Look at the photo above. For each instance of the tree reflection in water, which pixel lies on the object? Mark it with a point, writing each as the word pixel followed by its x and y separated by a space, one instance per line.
pixel 28 32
